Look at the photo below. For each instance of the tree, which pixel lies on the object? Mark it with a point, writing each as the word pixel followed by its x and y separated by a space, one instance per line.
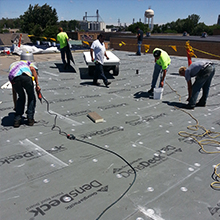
pixel 37 30
pixel 37 19
pixel 200 28
pixel 180 25
pixel 110 26
pixel 164 27
pixel 73 25
pixel 142 26
pixel 10 23
pixel 64 25
pixel 69 25
pixel 50 31
pixel 191 22
pixel 156 29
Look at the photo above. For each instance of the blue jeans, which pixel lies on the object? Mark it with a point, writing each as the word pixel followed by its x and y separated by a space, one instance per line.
pixel 21 84
pixel 156 73
pixel 64 51
pixel 99 72
pixel 203 81
pixel 139 48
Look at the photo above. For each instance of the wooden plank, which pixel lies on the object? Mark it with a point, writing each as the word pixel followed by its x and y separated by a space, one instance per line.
pixel 95 117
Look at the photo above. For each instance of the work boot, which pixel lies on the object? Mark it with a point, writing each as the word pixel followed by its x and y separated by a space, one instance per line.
pixel 30 122
pixel 200 104
pixel 96 83
pixel 107 83
pixel 17 123
pixel 65 66
pixel 151 91
pixel 188 106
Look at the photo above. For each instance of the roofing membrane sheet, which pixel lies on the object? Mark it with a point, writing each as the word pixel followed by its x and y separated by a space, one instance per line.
pixel 134 165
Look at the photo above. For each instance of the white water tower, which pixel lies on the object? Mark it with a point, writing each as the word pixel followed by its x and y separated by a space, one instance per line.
pixel 149 14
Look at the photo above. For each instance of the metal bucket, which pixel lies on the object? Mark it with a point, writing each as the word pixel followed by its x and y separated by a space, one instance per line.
pixel 27 56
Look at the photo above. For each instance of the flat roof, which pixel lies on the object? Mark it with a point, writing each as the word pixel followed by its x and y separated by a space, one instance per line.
pixel 135 165
pixel 212 38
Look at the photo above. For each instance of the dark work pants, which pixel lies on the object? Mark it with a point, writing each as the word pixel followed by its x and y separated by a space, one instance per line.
pixel 21 84
pixel 203 81
pixel 99 72
pixel 64 52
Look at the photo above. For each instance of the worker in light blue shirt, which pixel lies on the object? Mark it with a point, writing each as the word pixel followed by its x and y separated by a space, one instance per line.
pixel 203 71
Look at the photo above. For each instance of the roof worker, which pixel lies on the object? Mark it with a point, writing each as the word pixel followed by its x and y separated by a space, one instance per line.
pixel 63 38
pixel 162 63
pixel 20 76
pixel 139 40
pixel 203 71
pixel 98 47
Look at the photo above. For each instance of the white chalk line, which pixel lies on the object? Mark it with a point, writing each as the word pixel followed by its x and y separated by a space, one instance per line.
pixel 74 123
pixel 36 146
pixel 49 73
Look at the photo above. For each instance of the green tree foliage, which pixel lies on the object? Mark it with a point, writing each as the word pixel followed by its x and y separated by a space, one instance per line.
pixel 37 19
pixel 110 26
pixel 142 26
pixel 73 25
pixel 10 23
pixel 157 29
pixel 37 30
pixel 200 28
pixel 64 25
pixel 191 22
pixel 50 31
pixel 180 25
pixel 6 24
